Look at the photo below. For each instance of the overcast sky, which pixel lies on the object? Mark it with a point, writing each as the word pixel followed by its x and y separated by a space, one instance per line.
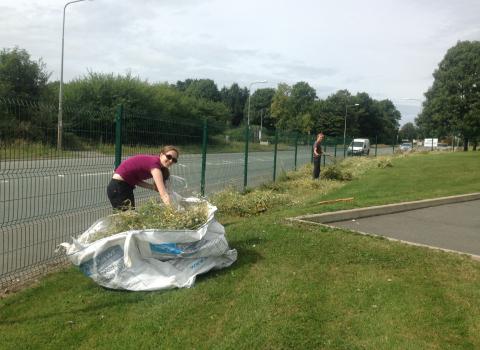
pixel 386 48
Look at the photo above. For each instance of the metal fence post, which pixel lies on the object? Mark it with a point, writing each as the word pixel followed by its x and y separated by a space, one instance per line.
pixel 204 157
pixel 335 150
pixel 376 144
pixel 245 168
pixel 118 136
pixel 275 155
pixel 296 149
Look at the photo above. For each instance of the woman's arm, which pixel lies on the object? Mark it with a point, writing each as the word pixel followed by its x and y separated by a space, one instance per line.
pixel 160 186
pixel 147 185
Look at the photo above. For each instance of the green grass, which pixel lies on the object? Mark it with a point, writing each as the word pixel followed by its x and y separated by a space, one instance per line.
pixel 293 286
pixel 414 177
pixel 27 150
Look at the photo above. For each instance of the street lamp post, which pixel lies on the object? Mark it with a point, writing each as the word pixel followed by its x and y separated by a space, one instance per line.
pixel 261 126
pixel 247 127
pixel 60 93
pixel 249 94
pixel 345 127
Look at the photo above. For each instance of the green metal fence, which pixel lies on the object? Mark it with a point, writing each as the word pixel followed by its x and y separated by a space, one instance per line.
pixel 48 195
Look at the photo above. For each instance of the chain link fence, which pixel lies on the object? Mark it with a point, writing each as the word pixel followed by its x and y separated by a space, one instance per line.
pixel 48 195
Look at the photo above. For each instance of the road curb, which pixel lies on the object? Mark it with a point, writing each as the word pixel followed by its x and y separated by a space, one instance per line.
pixel 358 213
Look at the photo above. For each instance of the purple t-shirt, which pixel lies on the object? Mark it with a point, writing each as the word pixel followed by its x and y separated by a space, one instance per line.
pixel 138 168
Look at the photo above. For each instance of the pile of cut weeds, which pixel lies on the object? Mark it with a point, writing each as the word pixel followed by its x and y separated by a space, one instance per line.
pixel 274 194
pixel 154 215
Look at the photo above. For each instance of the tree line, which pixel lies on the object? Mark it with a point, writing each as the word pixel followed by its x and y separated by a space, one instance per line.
pixel 451 110
pixel 452 103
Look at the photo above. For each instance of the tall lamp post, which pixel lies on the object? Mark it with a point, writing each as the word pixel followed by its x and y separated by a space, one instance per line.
pixel 261 126
pixel 60 94
pixel 247 127
pixel 345 127
pixel 249 94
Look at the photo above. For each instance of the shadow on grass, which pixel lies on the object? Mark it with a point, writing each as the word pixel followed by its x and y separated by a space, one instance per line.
pixel 93 308
pixel 246 256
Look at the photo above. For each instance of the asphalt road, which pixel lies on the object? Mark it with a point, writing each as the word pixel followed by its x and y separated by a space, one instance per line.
pixel 46 202
pixel 452 226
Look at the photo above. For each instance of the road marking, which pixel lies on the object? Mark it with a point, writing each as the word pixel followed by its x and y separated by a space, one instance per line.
pixel 96 174
pixel 223 162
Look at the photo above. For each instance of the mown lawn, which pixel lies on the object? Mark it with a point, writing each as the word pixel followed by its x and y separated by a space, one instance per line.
pixel 293 286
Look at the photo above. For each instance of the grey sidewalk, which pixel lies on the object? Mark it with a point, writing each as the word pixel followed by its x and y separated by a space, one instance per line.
pixel 452 226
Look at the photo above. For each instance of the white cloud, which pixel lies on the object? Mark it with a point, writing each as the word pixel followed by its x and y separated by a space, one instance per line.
pixel 387 48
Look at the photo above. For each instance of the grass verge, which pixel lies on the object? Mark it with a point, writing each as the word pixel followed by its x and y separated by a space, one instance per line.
pixel 293 286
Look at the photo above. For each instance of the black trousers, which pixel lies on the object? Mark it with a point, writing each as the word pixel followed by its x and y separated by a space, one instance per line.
pixel 120 195
pixel 316 167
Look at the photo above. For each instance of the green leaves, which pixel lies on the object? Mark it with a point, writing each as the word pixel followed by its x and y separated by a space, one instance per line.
pixel 21 77
pixel 453 102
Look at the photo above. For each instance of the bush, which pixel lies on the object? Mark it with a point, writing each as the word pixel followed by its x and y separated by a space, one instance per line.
pixel 384 163
pixel 336 172
pixel 233 202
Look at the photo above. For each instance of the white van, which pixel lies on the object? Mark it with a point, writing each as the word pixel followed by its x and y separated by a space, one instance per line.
pixel 359 147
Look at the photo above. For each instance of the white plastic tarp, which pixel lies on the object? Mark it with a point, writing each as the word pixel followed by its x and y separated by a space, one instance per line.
pixel 145 260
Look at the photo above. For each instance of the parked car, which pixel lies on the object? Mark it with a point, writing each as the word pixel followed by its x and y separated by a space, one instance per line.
pixel 443 147
pixel 359 147
pixel 406 147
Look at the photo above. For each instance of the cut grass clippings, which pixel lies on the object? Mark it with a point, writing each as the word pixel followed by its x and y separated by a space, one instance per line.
pixel 293 286
pixel 154 215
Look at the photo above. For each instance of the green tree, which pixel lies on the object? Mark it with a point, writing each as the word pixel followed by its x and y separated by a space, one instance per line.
pixel 203 88
pixel 365 117
pixel 260 105
pixel 408 132
pixel 452 104
pixel 235 99
pixel 390 121
pixel 20 76
pixel 327 117
pixel 91 103
pixel 183 85
pixel 281 109
pixel 302 99
pixel 292 107
pixel 369 116
pixel 23 80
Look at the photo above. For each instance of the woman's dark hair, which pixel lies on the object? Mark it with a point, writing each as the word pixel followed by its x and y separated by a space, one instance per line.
pixel 165 173
pixel 167 148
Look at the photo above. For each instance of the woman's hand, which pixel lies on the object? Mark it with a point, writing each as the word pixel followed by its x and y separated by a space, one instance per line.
pixel 160 186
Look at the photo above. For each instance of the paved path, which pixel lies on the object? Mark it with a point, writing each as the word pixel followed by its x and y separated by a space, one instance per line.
pixel 452 226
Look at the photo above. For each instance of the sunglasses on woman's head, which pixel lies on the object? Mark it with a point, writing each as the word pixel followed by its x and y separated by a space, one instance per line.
pixel 172 158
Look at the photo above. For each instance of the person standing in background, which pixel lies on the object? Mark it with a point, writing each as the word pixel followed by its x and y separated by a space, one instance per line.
pixel 317 155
